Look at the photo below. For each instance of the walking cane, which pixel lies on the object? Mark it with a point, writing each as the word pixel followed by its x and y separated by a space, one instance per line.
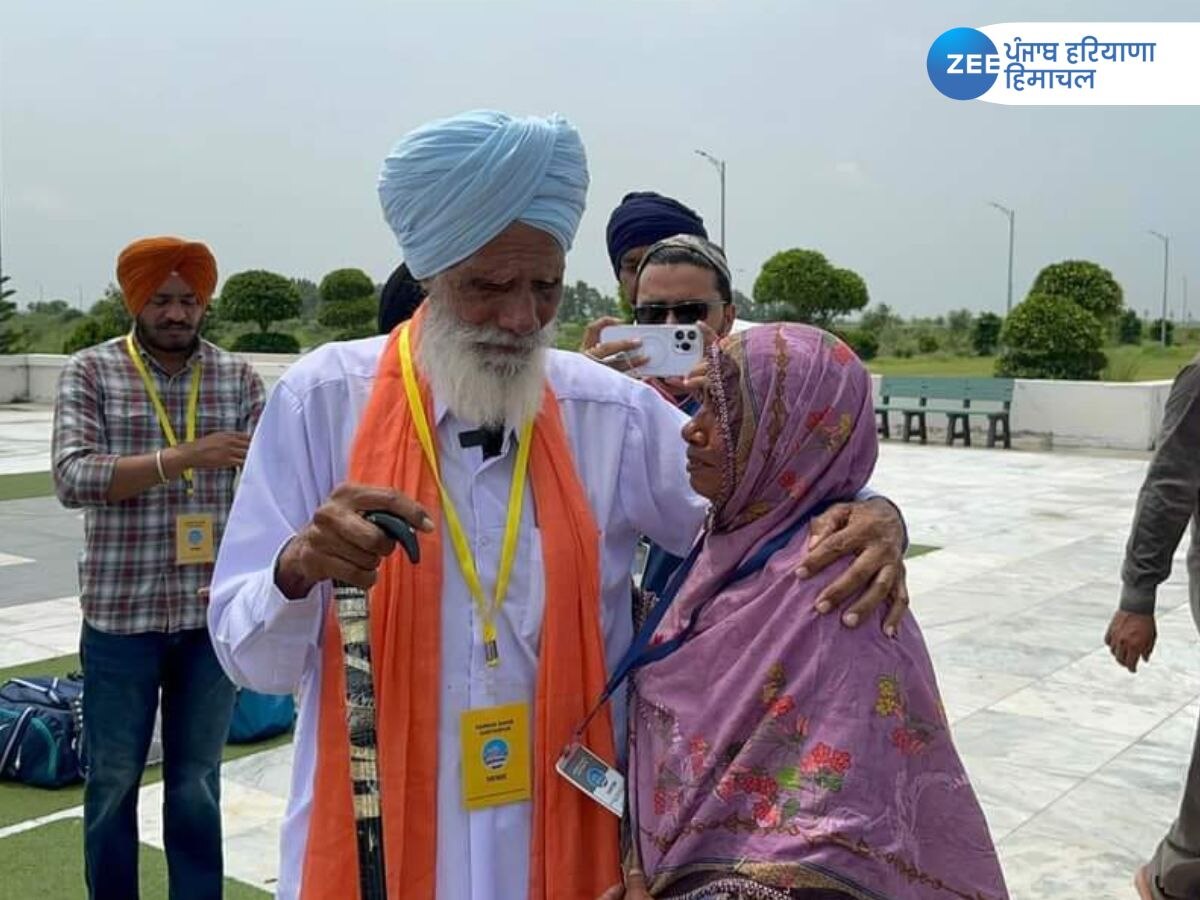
pixel 353 615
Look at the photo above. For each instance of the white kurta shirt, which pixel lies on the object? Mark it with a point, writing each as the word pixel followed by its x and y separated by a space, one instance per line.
pixel 630 458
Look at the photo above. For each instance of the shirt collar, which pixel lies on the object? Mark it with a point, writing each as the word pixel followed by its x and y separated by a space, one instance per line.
pixel 451 423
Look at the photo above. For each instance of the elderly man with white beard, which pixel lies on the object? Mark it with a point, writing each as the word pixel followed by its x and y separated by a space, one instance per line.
pixel 529 474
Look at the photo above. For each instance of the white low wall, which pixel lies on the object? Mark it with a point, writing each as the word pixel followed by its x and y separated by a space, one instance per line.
pixel 33 377
pixel 1092 414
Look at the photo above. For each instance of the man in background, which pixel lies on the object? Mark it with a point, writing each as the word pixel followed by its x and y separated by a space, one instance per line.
pixel 149 431
pixel 1169 498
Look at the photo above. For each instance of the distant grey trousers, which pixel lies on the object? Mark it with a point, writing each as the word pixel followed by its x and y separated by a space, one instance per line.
pixel 1175 869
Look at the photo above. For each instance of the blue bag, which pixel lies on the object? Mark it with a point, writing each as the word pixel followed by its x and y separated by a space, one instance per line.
pixel 41 731
pixel 257 717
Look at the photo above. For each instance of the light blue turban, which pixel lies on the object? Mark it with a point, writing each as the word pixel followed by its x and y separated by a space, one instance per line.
pixel 452 185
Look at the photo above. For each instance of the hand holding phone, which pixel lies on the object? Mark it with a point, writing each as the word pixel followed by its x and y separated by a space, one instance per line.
pixel 669 350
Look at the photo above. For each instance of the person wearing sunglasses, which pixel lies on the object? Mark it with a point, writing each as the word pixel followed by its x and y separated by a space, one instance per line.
pixel 685 279
pixel 642 219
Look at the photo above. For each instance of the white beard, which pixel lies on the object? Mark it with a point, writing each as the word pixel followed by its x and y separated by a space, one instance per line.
pixel 482 387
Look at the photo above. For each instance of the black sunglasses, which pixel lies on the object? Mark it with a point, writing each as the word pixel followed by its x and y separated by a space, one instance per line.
pixel 688 312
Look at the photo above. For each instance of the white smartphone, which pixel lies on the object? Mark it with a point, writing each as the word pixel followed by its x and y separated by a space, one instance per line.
pixel 672 350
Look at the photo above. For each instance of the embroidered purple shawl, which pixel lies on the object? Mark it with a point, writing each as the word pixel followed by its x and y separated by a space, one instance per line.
pixel 778 750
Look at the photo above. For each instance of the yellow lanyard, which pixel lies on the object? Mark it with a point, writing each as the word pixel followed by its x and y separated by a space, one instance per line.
pixel 487 612
pixel 161 411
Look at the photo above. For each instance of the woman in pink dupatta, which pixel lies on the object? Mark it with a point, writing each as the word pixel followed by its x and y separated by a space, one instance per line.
pixel 777 754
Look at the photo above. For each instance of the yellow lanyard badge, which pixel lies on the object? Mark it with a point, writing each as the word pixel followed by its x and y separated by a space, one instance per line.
pixel 161 411
pixel 487 611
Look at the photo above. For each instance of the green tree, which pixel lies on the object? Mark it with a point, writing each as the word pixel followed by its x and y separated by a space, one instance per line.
pixel 879 319
pixel 985 334
pixel 348 303
pixel 624 305
pixel 1051 337
pixel 583 303
pixel 960 323
pixel 1154 330
pixel 108 318
pixel 310 296
pixel 1129 328
pixel 260 297
pixel 1090 285
pixel 12 338
pixel 54 309
pixel 804 287
pixel 864 343
pixel 265 342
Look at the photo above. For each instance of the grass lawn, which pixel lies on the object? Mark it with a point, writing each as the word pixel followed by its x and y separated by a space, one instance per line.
pixel 1147 362
pixel 20 802
pixel 915 550
pixel 47 863
pixel 23 485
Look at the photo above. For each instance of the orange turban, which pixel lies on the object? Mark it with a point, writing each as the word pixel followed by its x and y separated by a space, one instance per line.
pixel 144 265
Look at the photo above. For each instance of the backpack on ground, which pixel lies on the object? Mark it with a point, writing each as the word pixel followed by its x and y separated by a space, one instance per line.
pixel 257 717
pixel 41 731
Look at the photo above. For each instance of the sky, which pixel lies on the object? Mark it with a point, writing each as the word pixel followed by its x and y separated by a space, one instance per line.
pixel 259 127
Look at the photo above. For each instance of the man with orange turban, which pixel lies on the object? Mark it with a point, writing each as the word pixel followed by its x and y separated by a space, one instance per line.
pixel 150 429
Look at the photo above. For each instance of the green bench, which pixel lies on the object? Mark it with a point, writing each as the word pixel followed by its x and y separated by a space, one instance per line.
pixel 956 398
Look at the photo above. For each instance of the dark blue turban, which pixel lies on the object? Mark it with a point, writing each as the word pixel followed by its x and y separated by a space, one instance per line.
pixel 645 218
pixel 399 299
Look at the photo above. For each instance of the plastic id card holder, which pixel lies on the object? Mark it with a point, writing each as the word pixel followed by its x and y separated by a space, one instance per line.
pixel 594 777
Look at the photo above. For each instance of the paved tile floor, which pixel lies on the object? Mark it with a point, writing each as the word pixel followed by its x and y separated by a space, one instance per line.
pixel 1079 765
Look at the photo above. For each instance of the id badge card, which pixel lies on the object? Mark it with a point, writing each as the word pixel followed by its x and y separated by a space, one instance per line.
pixel 495 755
pixel 194 542
pixel 594 777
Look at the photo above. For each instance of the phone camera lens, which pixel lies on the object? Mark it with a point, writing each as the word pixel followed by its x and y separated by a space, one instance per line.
pixel 685 346
pixel 679 335
pixel 691 335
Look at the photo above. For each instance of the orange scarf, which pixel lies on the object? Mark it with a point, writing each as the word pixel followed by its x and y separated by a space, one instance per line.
pixel 574 846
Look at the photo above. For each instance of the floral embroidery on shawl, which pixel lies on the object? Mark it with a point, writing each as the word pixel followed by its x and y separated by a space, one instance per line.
pixel 913 734
pixel 772 794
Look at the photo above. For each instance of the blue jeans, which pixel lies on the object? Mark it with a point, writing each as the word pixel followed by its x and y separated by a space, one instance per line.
pixel 122 677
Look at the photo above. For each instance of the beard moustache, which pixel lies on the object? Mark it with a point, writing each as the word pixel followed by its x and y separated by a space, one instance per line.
pixel 481 386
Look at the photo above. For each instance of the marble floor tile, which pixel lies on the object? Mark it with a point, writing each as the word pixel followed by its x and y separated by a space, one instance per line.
pixel 1087 707
pixel 1176 679
pixel 1013 794
pixel 1043 628
pixel 1115 815
pixel 243 809
pixel 966 690
pixel 1151 771
pixel 269 771
pixel 1057 748
pixel 252 856
pixel 1040 864
pixel 979 651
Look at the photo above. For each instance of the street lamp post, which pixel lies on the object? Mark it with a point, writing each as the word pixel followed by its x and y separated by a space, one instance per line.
pixel 1012 227
pixel 1162 327
pixel 720 166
